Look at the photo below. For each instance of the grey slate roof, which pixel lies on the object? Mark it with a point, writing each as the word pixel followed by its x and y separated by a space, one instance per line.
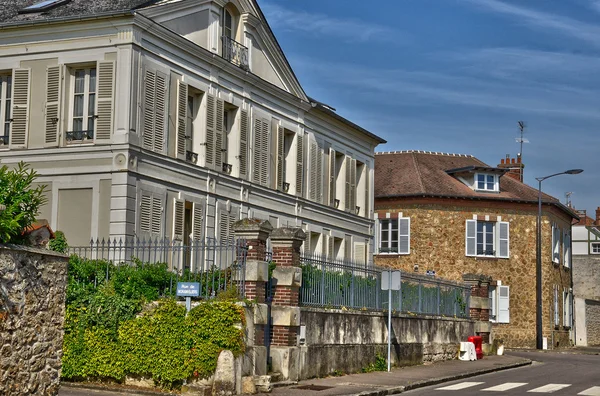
pixel 74 8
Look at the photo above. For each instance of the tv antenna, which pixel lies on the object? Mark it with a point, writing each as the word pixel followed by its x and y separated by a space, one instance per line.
pixel 568 198
pixel 521 140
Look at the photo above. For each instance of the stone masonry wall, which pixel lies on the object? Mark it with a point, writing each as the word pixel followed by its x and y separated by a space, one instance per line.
pixel 438 243
pixel 32 310
pixel 592 318
pixel 586 277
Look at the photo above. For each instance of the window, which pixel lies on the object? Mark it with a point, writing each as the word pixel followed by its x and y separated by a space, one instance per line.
pixel 288 165
pixel 555 244
pixel 228 24
pixel 499 297
pixel 595 247
pixel 83 107
pixel 567 249
pixel 5 107
pixel 394 235
pixel 486 182
pixel 229 117
pixel 487 238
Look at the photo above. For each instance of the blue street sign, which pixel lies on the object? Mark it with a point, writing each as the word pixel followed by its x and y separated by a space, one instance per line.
pixel 188 289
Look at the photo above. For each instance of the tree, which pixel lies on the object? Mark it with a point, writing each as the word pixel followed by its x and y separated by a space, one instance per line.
pixel 21 202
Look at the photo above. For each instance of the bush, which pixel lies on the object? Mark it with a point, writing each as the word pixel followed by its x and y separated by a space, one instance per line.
pixel 22 203
pixel 59 243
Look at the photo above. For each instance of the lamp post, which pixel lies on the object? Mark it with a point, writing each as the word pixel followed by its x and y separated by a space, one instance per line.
pixel 538 267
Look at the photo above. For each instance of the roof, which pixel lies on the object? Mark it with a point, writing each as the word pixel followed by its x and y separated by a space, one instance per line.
pixel 71 9
pixel 472 168
pixel 424 174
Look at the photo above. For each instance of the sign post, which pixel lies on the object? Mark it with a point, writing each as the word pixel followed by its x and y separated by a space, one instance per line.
pixel 188 290
pixel 390 280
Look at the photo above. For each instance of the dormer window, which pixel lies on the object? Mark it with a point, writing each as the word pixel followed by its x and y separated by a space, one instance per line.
pixel 486 182
pixel 228 25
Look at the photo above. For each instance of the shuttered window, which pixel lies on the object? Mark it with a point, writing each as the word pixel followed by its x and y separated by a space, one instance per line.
pixel 150 215
pixel 5 108
pixel 154 111
pixel 487 239
pixel 503 304
pixel 105 104
pixel 198 221
pixel 360 253
pixel 178 220
pixel 555 244
pixel 567 249
pixel 261 151
pixel 556 312
pixel 83 106
pixel 184 104
pixel 280 157
pixel 21 79
pixel 243 154
pixel 225 229
pixel 52 107
pixel 394 235
pixel 300 164
pixel 331 173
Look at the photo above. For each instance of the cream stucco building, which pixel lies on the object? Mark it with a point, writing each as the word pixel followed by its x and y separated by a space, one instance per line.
pixel 173 119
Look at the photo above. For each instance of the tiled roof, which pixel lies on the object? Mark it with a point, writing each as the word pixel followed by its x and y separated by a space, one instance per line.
pixel 74 8
pixel 423 173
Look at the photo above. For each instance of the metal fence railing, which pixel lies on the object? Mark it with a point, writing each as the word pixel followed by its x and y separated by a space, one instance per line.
pixel 216 265
pixel 336 284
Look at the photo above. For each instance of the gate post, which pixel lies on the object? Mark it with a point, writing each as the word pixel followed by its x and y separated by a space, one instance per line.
pixel 285 311
pixel 479 304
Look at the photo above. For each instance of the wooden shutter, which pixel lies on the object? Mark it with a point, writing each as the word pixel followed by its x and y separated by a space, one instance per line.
pixel 198 221
pixel 105 102
pixel 567 249
pixel 564 307
pixel 257 150
pixel 211 125
pixel 280 156
pixel 145 214
pixel 319 192
pixel 148 109
pixel 404 235
pixel 503 304
pixel 376 231
pixel 312 154
pixel 220 138
pixel 243 144
pixel 53 91
pixel 224 221
pixel 299 163
pixel 353 186
pixel 367 206
pixel 471 238
pixel 181 127
pixel 347 203
pixel 161 96
pixel 261 151
pixel 360 253
pixel 556 313
pixel 332 181
pixel 156 216
pixel 503 239
pixel 178 220
pixel 330 246
pixel 20 108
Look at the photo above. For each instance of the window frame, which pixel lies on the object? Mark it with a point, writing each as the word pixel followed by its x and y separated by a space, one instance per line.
pixel 85 137
pixel 389 221
pixel 6 97
pixel 486 182
pixel 593 246
pixel 496 238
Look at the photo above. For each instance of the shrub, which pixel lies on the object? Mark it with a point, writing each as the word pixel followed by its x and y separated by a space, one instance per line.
pixel 59 243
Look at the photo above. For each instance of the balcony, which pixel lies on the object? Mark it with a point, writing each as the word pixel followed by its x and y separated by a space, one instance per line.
pixel 235 53
pixel 80 136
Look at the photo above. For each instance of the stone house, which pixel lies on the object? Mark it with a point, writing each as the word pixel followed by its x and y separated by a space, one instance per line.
pixel 586 278
pixel 173 119
pixel 455 217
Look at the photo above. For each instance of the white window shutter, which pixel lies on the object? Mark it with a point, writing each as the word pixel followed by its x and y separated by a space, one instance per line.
pixel 332 177
pixel 312 154
pixel 330 247
pixel 257 150
pixel 181 127
pixel 148 109
pixel 377 237
pixel 220 138
pixel 299 164
pixel 198 221
pixel 280 155
pixel 266 148
pixel 156 219
pixel 243 155
pixel 565 305
pixel 178 220
pixel 567 249
pixel 556 316
pixel 145 216
pixel 471 238
pixel 160 116
pixel 319 169
pixel 570 308
pixel 223 226
pixel 366 209
pixel 211 126
pixel 348 191
pixel 504 239
pixel 353 186
pixel 503 304
pixel 404 235
pixel 360 253
pixel 53 97
pixel 19 127
pixel 105 103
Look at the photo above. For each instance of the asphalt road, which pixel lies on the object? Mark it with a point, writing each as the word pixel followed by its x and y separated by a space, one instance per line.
pixel 560 374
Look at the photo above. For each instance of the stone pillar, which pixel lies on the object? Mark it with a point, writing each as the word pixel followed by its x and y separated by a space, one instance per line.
pixel 479 304
pixel 285 310
pixel 254 233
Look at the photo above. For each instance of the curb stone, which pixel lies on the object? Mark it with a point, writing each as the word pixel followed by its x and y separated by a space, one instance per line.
pixel 434 381
pixel 109 388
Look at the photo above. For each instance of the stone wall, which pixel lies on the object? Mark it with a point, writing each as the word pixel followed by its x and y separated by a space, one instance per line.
pixel 592 318
pixel 438 243
pixel 32 310
pixel 586 277
pixel 347 341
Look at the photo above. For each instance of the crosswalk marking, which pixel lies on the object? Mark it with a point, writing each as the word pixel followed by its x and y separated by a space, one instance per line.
pixel 505 386
pixel 549 388
pixel 593 391
pixel 459 386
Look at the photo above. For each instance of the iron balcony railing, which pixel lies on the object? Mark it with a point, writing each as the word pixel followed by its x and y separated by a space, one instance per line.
pixel 337 284
pixel 235 53
pixel 80 135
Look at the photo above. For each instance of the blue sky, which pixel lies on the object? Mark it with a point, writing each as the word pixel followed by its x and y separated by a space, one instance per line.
pixel 456 76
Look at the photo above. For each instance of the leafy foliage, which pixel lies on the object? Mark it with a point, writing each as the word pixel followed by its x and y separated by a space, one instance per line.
pixel 379 365
pixel 59 243
pixel 21 201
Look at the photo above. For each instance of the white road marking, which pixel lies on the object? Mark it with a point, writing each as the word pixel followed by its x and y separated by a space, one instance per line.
pixel 593 391
pixel 505 387
pixel 549 388
pixel 459 386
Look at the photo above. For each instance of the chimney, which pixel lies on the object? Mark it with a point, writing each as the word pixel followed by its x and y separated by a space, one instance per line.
pixel 598 216
pixel 514 166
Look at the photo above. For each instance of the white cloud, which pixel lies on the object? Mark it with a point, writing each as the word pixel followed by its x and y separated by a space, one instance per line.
pixel 321 24
pixel 539 19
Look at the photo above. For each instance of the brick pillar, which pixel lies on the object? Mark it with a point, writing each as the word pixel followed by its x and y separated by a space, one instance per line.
pixel 285 311
pixel 479 304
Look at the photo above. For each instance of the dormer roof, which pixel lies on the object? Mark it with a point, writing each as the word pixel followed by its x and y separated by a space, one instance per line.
pixel 476 169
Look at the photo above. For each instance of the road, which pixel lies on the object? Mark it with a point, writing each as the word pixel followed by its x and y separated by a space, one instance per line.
pixel 557 373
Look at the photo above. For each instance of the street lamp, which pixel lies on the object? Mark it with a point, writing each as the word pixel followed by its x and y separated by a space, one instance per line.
pixel 538 267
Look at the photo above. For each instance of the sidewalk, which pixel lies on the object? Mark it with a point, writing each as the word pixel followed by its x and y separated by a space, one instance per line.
pixel 400 379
